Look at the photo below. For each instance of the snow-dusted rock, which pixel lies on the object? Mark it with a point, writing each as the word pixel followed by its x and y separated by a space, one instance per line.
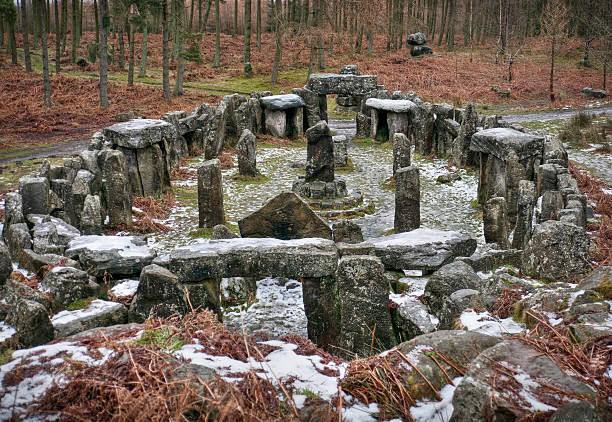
pixel 422 249
pixel 99 313
pixel 139 133
pixel 395 106
pixel 282 102
pixel 500 141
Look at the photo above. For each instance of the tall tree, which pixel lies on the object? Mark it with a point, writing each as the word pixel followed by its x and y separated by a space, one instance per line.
pixel 25 32
pixel 235 28
pixel 248 70
pixel 95 6
pixel 554 25
pixel 130 28
pixel 9 15
pixel 58 35
pixel 45 54
pixel 217 35
pixel 165 52
pixel 180 35
pixel 144 24
pixel 103 50
pixel 278 38
pixel 64 25
pixel 259 24
pixel 75 29
pixel 205 21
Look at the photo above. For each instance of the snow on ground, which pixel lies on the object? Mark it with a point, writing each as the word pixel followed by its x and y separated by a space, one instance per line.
pixel 6 331
pixel 484 322
pixel 95 308
pixel 436 411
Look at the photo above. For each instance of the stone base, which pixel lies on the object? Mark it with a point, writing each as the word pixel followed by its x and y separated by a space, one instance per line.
pixel 327 196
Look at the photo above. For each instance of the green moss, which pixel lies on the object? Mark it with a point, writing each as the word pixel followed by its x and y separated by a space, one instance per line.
pixel 80 304
pixel 186 195
pixel 306 392
pixel 605 288
pixel 389 184
pixel 5 356
pixel 349 168
pixel 161 338
pixel 200 233
pixel 249 180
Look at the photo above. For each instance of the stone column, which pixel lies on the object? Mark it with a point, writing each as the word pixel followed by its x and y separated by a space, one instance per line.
pixel 401 152
pixel 552 202
pixel 496 222
pixel 320 154
pixel 210 194
pixel 524 218
pixel 407 199
pixel 115 188
pixel 276 123
pixel 35 194
pixel 515 172
pixel 322 310
pixel 247 162
pixel 363 297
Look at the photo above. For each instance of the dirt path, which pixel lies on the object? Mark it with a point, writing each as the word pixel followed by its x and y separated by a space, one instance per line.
pixel 553 115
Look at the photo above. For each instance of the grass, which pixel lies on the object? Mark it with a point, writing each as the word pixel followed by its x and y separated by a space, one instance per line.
pixel 161 338
pixel 349 168
pixel 582 130
pixel 80 304
pixel 5 356
pixel 249 180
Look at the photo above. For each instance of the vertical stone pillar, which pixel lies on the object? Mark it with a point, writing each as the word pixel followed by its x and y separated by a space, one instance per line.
pixel 210 194
pixel 319 154
pixel 115 188
pixel 524 218
pixel 496 222
pixel 322 310
pixel 363 297
pixel 515 172
pixel 401 152
pixel 407 199
pixel 35 194
pixel 247 161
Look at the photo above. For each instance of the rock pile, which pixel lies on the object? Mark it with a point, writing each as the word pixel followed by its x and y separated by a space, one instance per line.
pixel 417 43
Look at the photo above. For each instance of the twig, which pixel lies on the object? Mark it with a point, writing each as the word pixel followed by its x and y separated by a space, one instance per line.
pixel 420 373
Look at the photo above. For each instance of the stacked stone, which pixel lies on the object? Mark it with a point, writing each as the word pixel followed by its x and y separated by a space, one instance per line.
pixel 284 115
pixel 388 117
pixel 340 150
pixel 446 128
pixel 348 103
pixel 417 43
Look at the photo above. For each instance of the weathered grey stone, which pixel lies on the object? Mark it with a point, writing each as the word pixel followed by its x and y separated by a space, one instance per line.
pixel 95 144
pixel 340 151
pixel 554 151
pixel 401 152
pixel 320 154
pixel 329 83
pixel 364 294
pixel 13 291
pixel 363 126
pixel 6 265
pixel 247 161
pixel 407 199
pixel 346 231
pixel 119 256
pixel 363 248
pixel 276 123
pixel 483 391
pixel 546 178
pixel 18 239
pixel 593 93
pixel 552 202
pixel 515 173
pixel 412 319
pixel 32 323
pixel 116 198
pixel 418 38
pixel 285 216
pixel 99 313
pixel 282 102
pixel 524 220
pixel 34 262
pixel 395 106
pixel 67 285
pixel 13 212
pixel 557 251
pixel 210 194
pixel 461 145
pixel 496 222
pixel 456 303
pixel 154 174
pixel 34 192
pixel 447 280
pixel 486 259
pixel 221 231
pixel 422 249
pixel 492 180
pixel 91 217
pixel 419 50
pixel 297 258
pixel 139 133
pixel 349 69
pixel 159 295
pixel 422 128
pixel 579 411
pixel 316 106
pixel 499 141
pixel 600 280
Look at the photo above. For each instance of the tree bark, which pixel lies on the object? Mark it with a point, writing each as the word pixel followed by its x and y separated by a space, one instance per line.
pixel 25 33
pixel 203 24
pixel 121 50
pixel 75 29
pixel 95 6
pixel 130 27
pixel 247 38
pixel 103 50
pixel 165 52
pixel 45 54
pixel 235 28
pixel 278 17
pixel 145 45
pixel 217 35
pixel 552 69
pixel 64 26
pixel 180 69
pixel 259 24
pixel 57 37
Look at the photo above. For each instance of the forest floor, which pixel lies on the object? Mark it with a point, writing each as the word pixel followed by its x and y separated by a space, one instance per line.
pixel 444 76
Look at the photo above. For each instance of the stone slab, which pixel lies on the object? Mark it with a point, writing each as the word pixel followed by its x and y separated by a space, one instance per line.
pixel 282 102
pixel 139 133
pixel 394 106
pixel 332 83
pixel 500 141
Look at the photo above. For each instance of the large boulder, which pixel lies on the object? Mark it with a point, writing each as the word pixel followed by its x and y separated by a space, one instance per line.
pixel 557 251
pixel 600 280
pixel 13 212
pixel 484 394
pixel 247 161
pixel 13 291
pixel 99 313
pixel 159 295
pixel 320 154
pixel 31 320
pixel 285 216
pixel 67 285
pixel 35 194
pixel 446 281
pixel 418 38
pixel 210 194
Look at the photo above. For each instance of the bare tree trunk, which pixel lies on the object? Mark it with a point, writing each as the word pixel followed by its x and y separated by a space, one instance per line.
pixel 471 29
pixel 259 24
pixel 95 6
pixel 12 42
pixel 130 29
pixel 235 28
pixel 248 71
pixel 45 54
pixel 145 45
pixel 57 37
pixel 64 26
pixel 217 35
pixel 552 69
pixel 165 52
pixel 75 29
pixel 25 33
pixel 180 69
pixel 103 55
pixel 203 24
pixel 35 23
pixel 121 50
pixel 278 17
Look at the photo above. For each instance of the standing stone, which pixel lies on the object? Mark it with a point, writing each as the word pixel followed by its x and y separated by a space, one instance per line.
pixel 515 172
pixel 552 202
pixel 340 151
pixel 461 145
pixel 422 128
pixel 407 199
pixel 364 296
pixel 363 126
pixel 31 320
pixel 6 266
pixel 115 188
pixel 154 174
pixel 276 123
pixel 524 218
pixel 320 154
pixel 247 162
pixel 91 218
pixel 210 194
pixel 347 231
pixel 13 212
pixel 35 195
pixel 159 295
pixel 496 222
pixel 401 152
